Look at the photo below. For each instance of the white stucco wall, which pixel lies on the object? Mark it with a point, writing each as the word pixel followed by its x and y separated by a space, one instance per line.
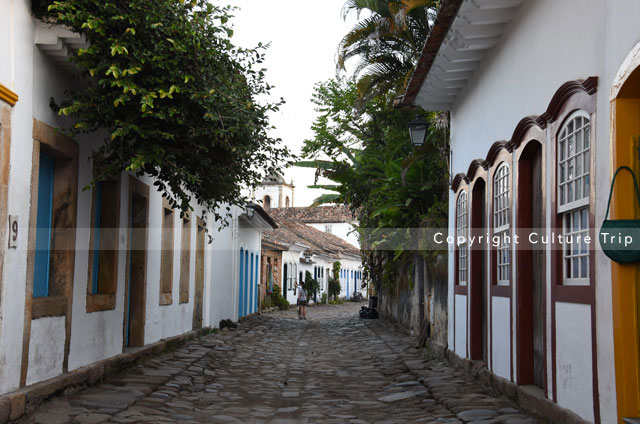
pixel 16 72
pixel 46 349
pixel 291 257
pixel 500 337
pixel 221 297
pixel 460 321
pixel 548 43
pixel 344 230
pixel 573 360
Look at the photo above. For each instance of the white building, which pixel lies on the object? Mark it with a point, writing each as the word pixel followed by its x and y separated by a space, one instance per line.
pixel 544 100
pixel 306 249
pixel 332 219
pixel 274 192
pixel 90 273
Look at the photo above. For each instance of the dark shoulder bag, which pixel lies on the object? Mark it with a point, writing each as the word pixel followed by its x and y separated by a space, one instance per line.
pixel 620 238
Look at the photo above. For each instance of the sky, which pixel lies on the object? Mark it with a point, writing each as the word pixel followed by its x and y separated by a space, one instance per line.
pixel 304 37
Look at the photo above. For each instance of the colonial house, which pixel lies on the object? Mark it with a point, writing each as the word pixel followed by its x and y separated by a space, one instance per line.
pixel 544 98
pixel 308 249
pixel 333 219
pixel 86 275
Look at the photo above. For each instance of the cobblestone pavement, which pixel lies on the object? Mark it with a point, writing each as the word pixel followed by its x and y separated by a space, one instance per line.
pixel 332 368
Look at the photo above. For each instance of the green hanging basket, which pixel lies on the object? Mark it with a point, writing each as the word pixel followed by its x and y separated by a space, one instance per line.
pixel 620 238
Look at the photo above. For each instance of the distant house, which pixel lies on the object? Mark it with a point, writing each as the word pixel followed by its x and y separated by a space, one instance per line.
pixel 544 99
pixel 334 219
pixel 315 251
pixel 276 196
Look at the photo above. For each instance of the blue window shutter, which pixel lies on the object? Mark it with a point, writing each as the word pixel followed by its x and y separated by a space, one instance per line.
pixel 96 239
pixel 43 226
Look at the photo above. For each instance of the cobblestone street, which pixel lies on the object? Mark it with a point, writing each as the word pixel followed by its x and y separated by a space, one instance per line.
pixel 332 368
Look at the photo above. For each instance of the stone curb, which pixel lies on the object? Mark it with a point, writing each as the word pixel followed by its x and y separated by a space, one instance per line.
pixel 529 398
pixel 15 404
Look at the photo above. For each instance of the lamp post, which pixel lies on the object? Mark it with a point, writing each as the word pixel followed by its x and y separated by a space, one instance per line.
pixel 418 130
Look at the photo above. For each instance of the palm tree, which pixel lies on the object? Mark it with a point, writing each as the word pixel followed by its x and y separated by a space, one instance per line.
pixel 388 42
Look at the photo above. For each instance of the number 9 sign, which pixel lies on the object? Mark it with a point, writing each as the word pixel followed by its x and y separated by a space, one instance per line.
pixel 13 231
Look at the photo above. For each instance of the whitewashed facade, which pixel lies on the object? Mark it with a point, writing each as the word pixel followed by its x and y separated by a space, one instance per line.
pixel 521 78
pixel 61 311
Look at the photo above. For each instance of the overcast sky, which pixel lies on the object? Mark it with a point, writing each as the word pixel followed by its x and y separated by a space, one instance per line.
pixel 304 37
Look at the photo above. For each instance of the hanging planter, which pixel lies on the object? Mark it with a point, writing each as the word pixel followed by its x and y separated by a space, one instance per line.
pixel 620 238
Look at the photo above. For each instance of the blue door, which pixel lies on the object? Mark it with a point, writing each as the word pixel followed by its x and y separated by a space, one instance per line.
pixel 347 284
pixel 43 226
pixel 240 283
pixel 246 283
pixel 257 286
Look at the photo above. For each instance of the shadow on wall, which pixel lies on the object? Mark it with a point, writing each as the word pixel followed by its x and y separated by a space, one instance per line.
pixel 421 306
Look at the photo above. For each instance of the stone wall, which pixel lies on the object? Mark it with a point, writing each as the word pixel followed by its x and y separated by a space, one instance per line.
pixel 420 304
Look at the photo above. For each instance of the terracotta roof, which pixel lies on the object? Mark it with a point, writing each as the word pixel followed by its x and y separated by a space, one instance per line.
pixel 318 214
pixel 290 232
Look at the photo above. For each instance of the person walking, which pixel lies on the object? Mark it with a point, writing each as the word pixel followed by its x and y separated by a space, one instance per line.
pixel 302 301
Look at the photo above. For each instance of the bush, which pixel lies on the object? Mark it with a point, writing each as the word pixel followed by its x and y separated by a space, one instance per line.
pixel 312 287
pixel 334 282
pixel 324 298
pixel 278 300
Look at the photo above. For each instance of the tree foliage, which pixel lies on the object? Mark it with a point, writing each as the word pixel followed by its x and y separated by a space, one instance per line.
pixel 387 42
pixel 177 99
pixel 391 185
pixel 334 288
pixel 312 286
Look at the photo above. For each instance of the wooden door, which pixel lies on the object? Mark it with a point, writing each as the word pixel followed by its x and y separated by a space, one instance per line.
pixel 199 276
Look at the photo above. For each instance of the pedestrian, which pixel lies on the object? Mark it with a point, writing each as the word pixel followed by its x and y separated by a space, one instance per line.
pixel 302 300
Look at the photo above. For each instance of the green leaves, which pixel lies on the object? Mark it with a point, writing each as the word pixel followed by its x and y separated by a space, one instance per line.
pixel 391 186
pixel 177 100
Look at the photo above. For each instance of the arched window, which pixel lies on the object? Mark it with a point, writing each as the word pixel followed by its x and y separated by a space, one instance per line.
pixel 286 202
pixel 462 226
pixel 574 159
pixel 501 223
pixel 266 202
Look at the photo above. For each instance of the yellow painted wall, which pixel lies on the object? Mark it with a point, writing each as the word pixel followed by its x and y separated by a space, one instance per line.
pixel 625 278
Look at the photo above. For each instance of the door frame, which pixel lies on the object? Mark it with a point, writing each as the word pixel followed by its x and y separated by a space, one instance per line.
pixel 139 188
pixel 625 279
pixel 525 314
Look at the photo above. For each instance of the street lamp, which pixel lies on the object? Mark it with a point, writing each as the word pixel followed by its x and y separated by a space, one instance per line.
pixel 251 209
pixel 418 130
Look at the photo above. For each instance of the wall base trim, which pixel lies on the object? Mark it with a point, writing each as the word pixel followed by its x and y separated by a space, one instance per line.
pixel 529 398
pixel 15 404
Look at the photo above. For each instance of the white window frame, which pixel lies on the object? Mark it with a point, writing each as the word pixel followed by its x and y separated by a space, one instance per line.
pixel 462 228
pixel 564 158
pixel 576 209
pixel 501 216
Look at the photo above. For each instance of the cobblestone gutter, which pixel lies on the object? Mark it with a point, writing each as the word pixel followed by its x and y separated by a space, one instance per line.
pixel 15 404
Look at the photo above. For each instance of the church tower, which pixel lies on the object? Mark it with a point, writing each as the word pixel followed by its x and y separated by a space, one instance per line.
pixel 274 192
